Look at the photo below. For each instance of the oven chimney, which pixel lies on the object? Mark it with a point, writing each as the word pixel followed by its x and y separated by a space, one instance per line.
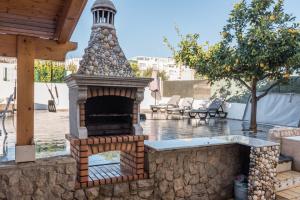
pixel 104 56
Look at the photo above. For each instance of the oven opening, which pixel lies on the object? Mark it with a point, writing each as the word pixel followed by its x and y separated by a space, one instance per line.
pixel 109 115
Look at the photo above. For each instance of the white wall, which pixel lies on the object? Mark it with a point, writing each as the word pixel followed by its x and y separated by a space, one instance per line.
pixel 41 94
pixel 235 110
pixel 6 89
pixel 148 100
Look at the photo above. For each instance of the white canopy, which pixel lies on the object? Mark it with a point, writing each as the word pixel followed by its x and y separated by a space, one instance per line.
pixel 277 109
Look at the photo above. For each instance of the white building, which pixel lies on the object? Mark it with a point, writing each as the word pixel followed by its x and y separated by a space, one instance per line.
pixel 168 65
pixel 174 72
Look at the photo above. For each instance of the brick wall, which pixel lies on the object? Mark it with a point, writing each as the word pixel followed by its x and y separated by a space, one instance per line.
pixel 131 157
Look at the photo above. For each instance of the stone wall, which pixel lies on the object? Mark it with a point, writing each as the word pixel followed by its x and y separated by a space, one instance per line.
pixel 135 190
pixel 200 173
pixel 52 178
pixel 262 173
pixel 276 134
pixel 198 89
pixel 196 173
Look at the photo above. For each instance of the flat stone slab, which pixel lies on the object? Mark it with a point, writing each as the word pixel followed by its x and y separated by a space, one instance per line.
pixel 294 138
pixel 166 145
pixel 290 147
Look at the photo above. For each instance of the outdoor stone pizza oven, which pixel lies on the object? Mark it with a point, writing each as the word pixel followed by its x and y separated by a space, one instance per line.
pixel 104 94
pixel 104 103
pixel 105 106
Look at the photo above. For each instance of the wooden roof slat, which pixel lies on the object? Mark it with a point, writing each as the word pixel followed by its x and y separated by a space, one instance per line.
pixel 26 27
pixel 27 20
pixel 25 32
pixel 31 13
pixel 68 19
pixel 48 19
pixel 33 2
pixel 37 8
pixel 28 33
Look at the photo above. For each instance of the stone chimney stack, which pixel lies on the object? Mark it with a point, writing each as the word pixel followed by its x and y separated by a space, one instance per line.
pixel 104 57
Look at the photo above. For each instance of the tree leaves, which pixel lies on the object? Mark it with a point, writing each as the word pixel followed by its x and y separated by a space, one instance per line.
pixel 260 41
pixel 48 71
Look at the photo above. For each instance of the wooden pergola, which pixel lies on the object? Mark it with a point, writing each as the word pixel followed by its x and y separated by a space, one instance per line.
pixel 34 29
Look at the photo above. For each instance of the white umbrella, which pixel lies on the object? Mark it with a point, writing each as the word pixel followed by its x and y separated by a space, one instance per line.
pixel 154 86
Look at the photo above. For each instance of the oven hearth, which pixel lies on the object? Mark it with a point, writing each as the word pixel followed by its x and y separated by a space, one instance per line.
pixel 104 116
pixel 131 166
pixel 112 114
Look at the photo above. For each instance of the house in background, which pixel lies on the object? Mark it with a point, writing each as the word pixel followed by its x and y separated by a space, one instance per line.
pixel 173 71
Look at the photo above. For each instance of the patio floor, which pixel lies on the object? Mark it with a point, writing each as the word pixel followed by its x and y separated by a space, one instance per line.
pixel 50 130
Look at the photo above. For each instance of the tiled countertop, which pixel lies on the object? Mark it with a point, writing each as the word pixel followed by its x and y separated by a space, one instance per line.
pixel 165 145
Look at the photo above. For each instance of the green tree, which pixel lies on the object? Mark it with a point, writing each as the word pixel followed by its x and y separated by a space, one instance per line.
pixel 260 42
pixel 49 71
pixel 135 68
pixel 161 74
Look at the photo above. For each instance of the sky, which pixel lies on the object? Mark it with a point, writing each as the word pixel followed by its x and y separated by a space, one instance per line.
pixel 141 25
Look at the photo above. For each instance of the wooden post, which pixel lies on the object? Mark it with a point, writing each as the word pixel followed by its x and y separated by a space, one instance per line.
pixel 25 150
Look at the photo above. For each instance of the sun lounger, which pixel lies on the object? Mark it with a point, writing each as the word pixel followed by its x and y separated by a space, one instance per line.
pixel 172 103
pixel 184 105
pixel 215 109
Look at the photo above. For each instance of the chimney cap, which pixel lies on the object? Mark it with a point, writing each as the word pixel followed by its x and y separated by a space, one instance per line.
pixel 104 4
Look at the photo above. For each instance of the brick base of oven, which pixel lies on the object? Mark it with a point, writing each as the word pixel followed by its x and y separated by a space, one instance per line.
pixel 131 165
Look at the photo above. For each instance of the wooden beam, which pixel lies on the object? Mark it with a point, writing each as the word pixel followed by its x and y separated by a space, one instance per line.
pixel 25 90
pixel 52 50
pixel 8 46
pixel 68 19
pixel 44 49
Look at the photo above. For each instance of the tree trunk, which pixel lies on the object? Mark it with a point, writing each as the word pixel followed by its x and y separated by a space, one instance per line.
pixel 253 123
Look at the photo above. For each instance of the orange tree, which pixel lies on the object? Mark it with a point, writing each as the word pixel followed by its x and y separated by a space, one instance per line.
pixel 49 71
pixel 259 42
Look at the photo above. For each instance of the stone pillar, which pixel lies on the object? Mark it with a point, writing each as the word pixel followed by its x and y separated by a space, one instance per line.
pixel 262 173
pixel 108 17
pixel 138 130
